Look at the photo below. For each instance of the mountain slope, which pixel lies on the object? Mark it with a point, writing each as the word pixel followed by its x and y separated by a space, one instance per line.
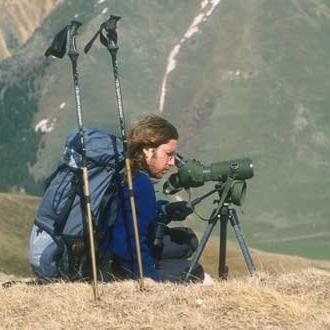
pixel 18 21
pixel 252 80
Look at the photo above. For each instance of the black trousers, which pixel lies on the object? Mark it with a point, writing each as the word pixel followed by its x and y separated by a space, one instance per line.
pixel 179 245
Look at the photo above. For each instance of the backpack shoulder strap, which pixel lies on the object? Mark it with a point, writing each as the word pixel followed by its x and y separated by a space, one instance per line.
pixel 50 178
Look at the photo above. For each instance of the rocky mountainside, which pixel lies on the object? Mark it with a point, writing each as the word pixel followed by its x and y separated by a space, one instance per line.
pixel 19 19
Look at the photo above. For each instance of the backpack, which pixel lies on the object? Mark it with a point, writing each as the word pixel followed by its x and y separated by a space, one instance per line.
pixel 58 241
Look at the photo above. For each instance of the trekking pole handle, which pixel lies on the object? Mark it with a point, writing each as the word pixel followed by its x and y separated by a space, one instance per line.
pixel 71 40
pixel 111 40
pixel 110 27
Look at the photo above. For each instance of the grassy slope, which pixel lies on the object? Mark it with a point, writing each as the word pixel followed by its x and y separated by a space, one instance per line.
pixel 289 301
pixel 287 295
pixel 17 212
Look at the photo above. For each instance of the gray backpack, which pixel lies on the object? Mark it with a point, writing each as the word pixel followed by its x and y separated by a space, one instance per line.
pixel 58 242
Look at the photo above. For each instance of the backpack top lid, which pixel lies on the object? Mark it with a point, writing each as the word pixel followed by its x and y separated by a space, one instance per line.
pixel 102 149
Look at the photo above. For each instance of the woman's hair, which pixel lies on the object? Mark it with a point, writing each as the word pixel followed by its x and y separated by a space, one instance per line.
pixel 150 132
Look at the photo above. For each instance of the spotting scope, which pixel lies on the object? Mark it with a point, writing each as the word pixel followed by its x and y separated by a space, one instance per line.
pixel 194 174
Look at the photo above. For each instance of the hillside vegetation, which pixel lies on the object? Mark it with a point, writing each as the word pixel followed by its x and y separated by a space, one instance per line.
pixel 288 301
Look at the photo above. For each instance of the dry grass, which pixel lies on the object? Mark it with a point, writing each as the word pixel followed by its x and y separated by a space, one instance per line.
pixel 270 263
pixel 291 292
pixel 287 301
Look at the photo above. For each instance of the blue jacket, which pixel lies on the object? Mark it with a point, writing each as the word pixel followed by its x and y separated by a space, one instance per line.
pixel 119 239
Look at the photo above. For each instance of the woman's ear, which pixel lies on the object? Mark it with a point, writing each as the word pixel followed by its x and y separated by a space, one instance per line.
pixel 148 153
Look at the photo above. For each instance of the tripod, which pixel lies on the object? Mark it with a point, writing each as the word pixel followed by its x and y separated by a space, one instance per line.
pixel 225 215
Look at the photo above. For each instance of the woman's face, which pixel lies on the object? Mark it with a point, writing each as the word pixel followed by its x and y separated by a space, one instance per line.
pixel 159 160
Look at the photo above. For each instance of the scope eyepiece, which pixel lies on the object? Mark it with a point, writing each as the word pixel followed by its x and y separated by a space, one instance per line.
pixel 179 161
pixel 172 185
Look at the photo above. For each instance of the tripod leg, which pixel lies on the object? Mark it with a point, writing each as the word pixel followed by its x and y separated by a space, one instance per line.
pixel 199 251
pixel 241 240
pixel 223 269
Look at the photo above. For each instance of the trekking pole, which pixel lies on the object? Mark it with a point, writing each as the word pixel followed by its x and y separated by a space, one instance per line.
pixel 110 41
pixel 65 42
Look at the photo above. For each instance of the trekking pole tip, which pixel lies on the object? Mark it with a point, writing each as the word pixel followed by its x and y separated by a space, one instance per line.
pixel 141 285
